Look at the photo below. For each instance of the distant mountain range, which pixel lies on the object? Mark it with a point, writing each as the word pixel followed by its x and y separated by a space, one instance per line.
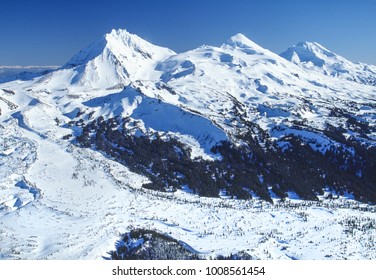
pixel 8 73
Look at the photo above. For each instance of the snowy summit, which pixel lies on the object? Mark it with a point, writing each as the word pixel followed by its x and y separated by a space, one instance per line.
pixel 313 55
pixel 117 58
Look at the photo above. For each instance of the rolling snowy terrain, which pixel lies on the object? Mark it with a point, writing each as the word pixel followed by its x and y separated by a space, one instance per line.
pixel 227 150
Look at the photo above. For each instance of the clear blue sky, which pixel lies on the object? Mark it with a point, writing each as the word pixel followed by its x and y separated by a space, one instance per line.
pixel 50 32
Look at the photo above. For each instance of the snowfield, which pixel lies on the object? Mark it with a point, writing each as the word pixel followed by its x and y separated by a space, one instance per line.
pixel 60 201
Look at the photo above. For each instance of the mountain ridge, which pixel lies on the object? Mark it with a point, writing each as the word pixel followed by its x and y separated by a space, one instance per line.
pixel 120 49
pixel 214 101
pixel 227 150
pixel 312 55
pixel 246 96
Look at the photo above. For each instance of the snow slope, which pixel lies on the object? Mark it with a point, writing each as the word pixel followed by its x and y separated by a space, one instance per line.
pixel 113 61
pixel 266 89
pixel 60 201
pixel 11 73
pixel 86 201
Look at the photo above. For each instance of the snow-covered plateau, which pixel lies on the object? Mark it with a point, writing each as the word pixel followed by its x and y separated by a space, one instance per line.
pixel 229 151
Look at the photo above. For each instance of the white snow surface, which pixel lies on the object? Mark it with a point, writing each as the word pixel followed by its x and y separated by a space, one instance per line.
pixel 116 59
pixel 58 201
pixel 313 56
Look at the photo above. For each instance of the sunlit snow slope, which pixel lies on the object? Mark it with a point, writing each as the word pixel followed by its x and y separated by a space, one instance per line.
pixel 59 200
pixel 312 55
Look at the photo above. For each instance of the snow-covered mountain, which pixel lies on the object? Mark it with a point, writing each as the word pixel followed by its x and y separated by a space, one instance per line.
pixel 311 55
pixel 115 60
pixel 129 136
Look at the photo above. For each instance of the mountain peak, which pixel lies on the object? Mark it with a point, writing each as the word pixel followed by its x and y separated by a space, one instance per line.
pixel 118 41
pixel 124 38
pixel 312 55
pixel 241 41
pixel 240 38
pixel 120 35
pixel 120 32
pixel 117 58
pixel 309 45
pixel 315 48
pixel 308 52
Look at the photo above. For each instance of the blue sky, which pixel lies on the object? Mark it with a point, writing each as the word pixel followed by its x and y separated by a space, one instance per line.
pixel 51 32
